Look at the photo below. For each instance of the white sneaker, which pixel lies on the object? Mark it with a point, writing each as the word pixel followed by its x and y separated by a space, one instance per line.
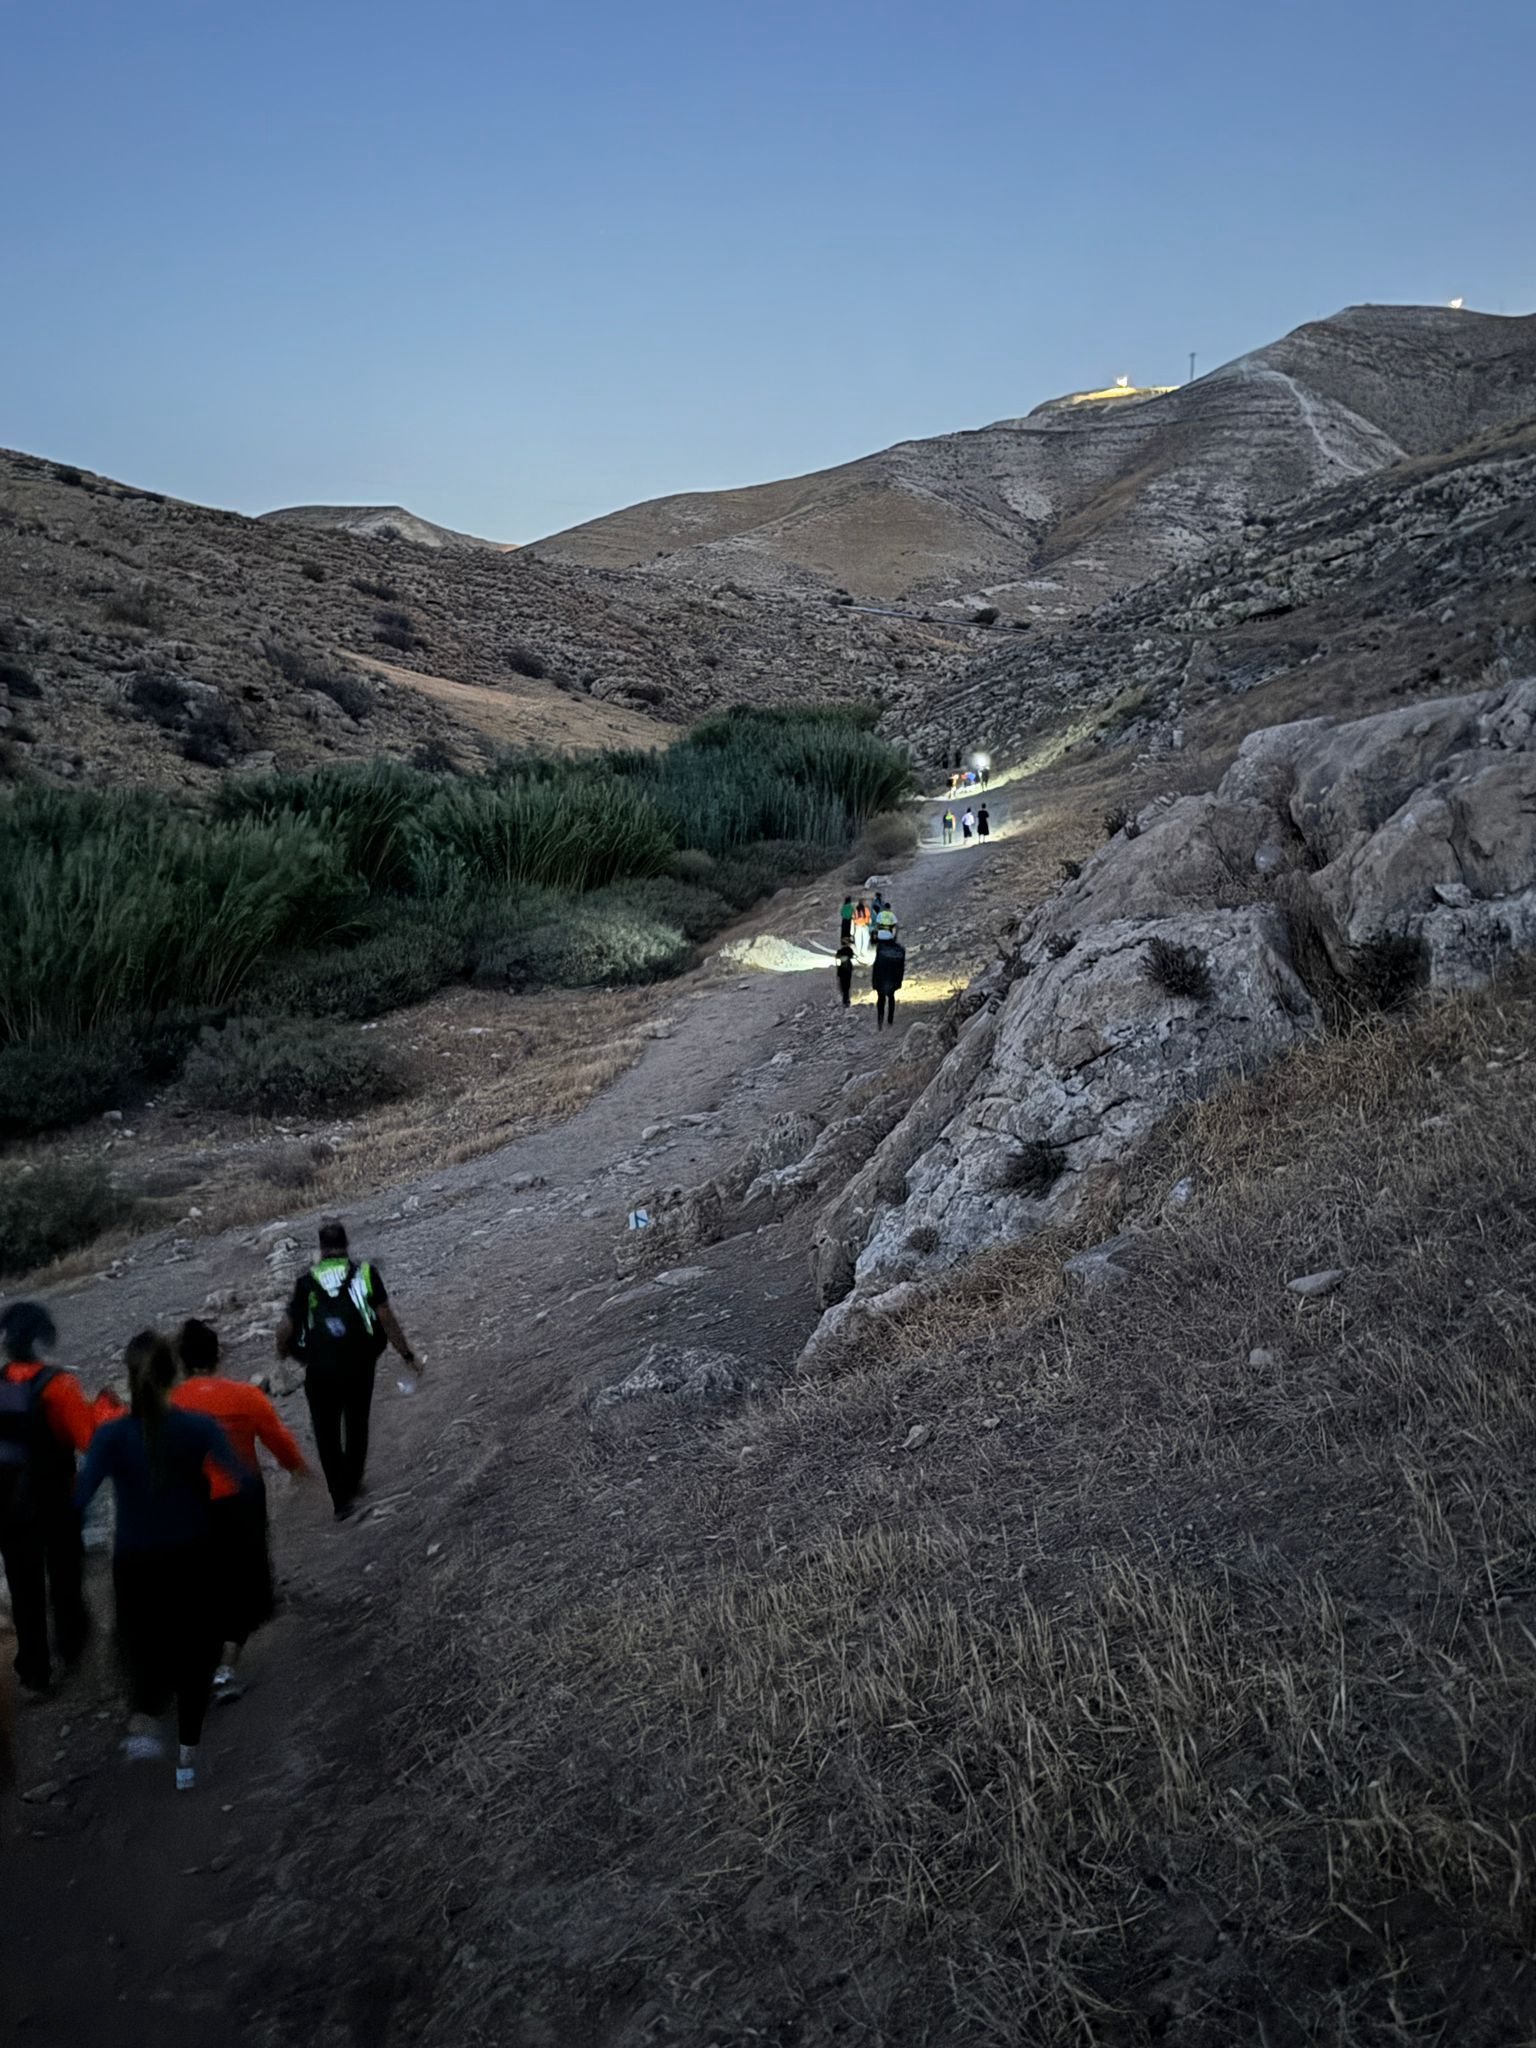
pixel 186 1767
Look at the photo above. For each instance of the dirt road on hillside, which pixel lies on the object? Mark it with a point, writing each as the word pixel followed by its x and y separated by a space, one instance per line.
pixel 143 1913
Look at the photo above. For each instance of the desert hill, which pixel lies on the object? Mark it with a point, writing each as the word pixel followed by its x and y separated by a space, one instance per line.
pixel 375 522
pixel 1051 513
pixel 143 640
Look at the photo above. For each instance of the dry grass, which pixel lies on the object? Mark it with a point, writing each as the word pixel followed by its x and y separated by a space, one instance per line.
pixel 1176 1687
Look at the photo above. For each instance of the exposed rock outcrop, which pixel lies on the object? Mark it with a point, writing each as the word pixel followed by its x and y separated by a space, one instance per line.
pixel 1175 959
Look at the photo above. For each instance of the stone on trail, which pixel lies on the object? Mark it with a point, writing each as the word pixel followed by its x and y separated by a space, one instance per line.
pixel 686 1375
pixel 1310 1285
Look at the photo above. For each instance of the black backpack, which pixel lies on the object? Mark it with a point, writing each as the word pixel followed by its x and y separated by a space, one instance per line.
pixel 33 1463
pixel 333 1331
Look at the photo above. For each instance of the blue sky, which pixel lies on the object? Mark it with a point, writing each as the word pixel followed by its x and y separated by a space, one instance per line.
pixel 514 266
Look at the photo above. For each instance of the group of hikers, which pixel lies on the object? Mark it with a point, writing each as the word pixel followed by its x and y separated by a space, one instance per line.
pixel 191 1565
pixel 869 936
pixel 975 824
pixel 968 778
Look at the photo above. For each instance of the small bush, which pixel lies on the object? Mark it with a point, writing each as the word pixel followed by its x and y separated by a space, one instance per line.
pixel 312 572
pixel 891 836
pixel 141 608
pixel 349 691
pixel 1388 970
pixel 159 698
pixel 17 680
pixel 214 736
pixel 1178 970
pixel 289 1067
pixel 922 1239
pixel 1060 944
pixel 395 629
pixel 694 911
pixel 1121 818
pixel 66 473
pixel 1069 870
pixel 693 864
pixel 53 1210
pixel 985 615
pixel 47 1083
pixel 385 592
pixel 1033 1169
pixel 584 946
pixel 434 757
pixel 646 693
pixel 406 961
pixel 524 662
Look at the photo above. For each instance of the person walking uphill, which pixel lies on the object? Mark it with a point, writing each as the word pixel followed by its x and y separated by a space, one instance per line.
pixel 162 1566
pixel 968 824
pixel 337 1325
pixel 886 976
pixel 983 822
pixel 44 1421
pixel 845 918
pixel 844 971
pixel 237 1516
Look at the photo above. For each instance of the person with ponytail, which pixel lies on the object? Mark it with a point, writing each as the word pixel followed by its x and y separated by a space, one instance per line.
pixel 162 1571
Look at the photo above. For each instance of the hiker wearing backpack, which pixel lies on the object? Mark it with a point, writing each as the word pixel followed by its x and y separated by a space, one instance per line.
pixel 886 976
pixel 237 1516
pixel 337 1325
pixel 44 1421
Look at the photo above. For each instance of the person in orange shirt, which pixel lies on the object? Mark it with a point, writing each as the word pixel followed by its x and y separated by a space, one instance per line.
pixel 237 1519
pixel 44 1421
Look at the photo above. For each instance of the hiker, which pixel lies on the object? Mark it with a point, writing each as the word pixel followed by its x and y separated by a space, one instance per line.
pixel 983 822
pixel 237 1516
pixel 337 1325
pixel 845 920
pixel 949 828
pixel 968 824
pixel 886 977
pixel 156 1457
pixel 44 1420
pixel 861 942
pixel 954 785
pixel 844 971
pixel 883 924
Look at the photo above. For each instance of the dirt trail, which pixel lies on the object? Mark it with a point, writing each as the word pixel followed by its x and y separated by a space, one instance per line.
pixel 502 1270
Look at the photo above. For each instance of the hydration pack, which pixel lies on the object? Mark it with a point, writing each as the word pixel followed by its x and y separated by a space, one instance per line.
pixel 33 1463
pixel 339 1329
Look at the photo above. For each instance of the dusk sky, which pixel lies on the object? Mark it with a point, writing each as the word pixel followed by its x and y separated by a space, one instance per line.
pixel 515 266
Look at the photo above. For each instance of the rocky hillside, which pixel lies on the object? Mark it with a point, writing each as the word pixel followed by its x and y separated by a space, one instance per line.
pixel 1405 582
pixel 144 640
pixel 1050 514
pixel 375 522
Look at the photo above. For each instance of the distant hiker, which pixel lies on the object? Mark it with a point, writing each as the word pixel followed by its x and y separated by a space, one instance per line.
pixel 44 1421
pixel 949 828
pixel 968 824
pixel 954 785
pixel 157 1457
pixel 886 976
pixel 845 916
pixel 861 939
pixel 237 1516
pixel 844 971
pixel 883 924
pixel 986 774
pixel 983 823
pixel 337 1324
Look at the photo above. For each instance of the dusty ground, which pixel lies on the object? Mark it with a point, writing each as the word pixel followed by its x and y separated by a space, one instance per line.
pixel 502 1269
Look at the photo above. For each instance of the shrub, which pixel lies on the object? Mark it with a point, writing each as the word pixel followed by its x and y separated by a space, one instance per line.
pixel 1033 1169
pixel 646 693
pixel 693 864
pixel 985 615
pixel 52 1210
pixel 385 592
pixel 1178 970
pixel 312 572
pixel 434 757
pixel 368 815
pixel 1060 944
pixel 289 1067
pixel 159 698
pixel 1388 970
pixel 694 912
pixel 890 836
pixel 578 829
pixel 1069 870
pixel 524 662
pixel 350 692
pixel 413 950
pixel 1121 818
pixel 48 1083
pixel 394 629
pixel 585 946
pixel 214 736
pixel 18 680
pixel 143 608
pixel 66 473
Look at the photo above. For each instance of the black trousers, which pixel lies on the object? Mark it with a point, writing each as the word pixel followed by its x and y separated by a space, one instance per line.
pixel 845 983
pixel 42 1555
pixel 340 1401
pixel 167 1634
pixel 242 1563
pixel 885 1007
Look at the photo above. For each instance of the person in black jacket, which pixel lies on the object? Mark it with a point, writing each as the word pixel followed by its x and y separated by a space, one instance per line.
pixel 844 971
pixel 886 976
